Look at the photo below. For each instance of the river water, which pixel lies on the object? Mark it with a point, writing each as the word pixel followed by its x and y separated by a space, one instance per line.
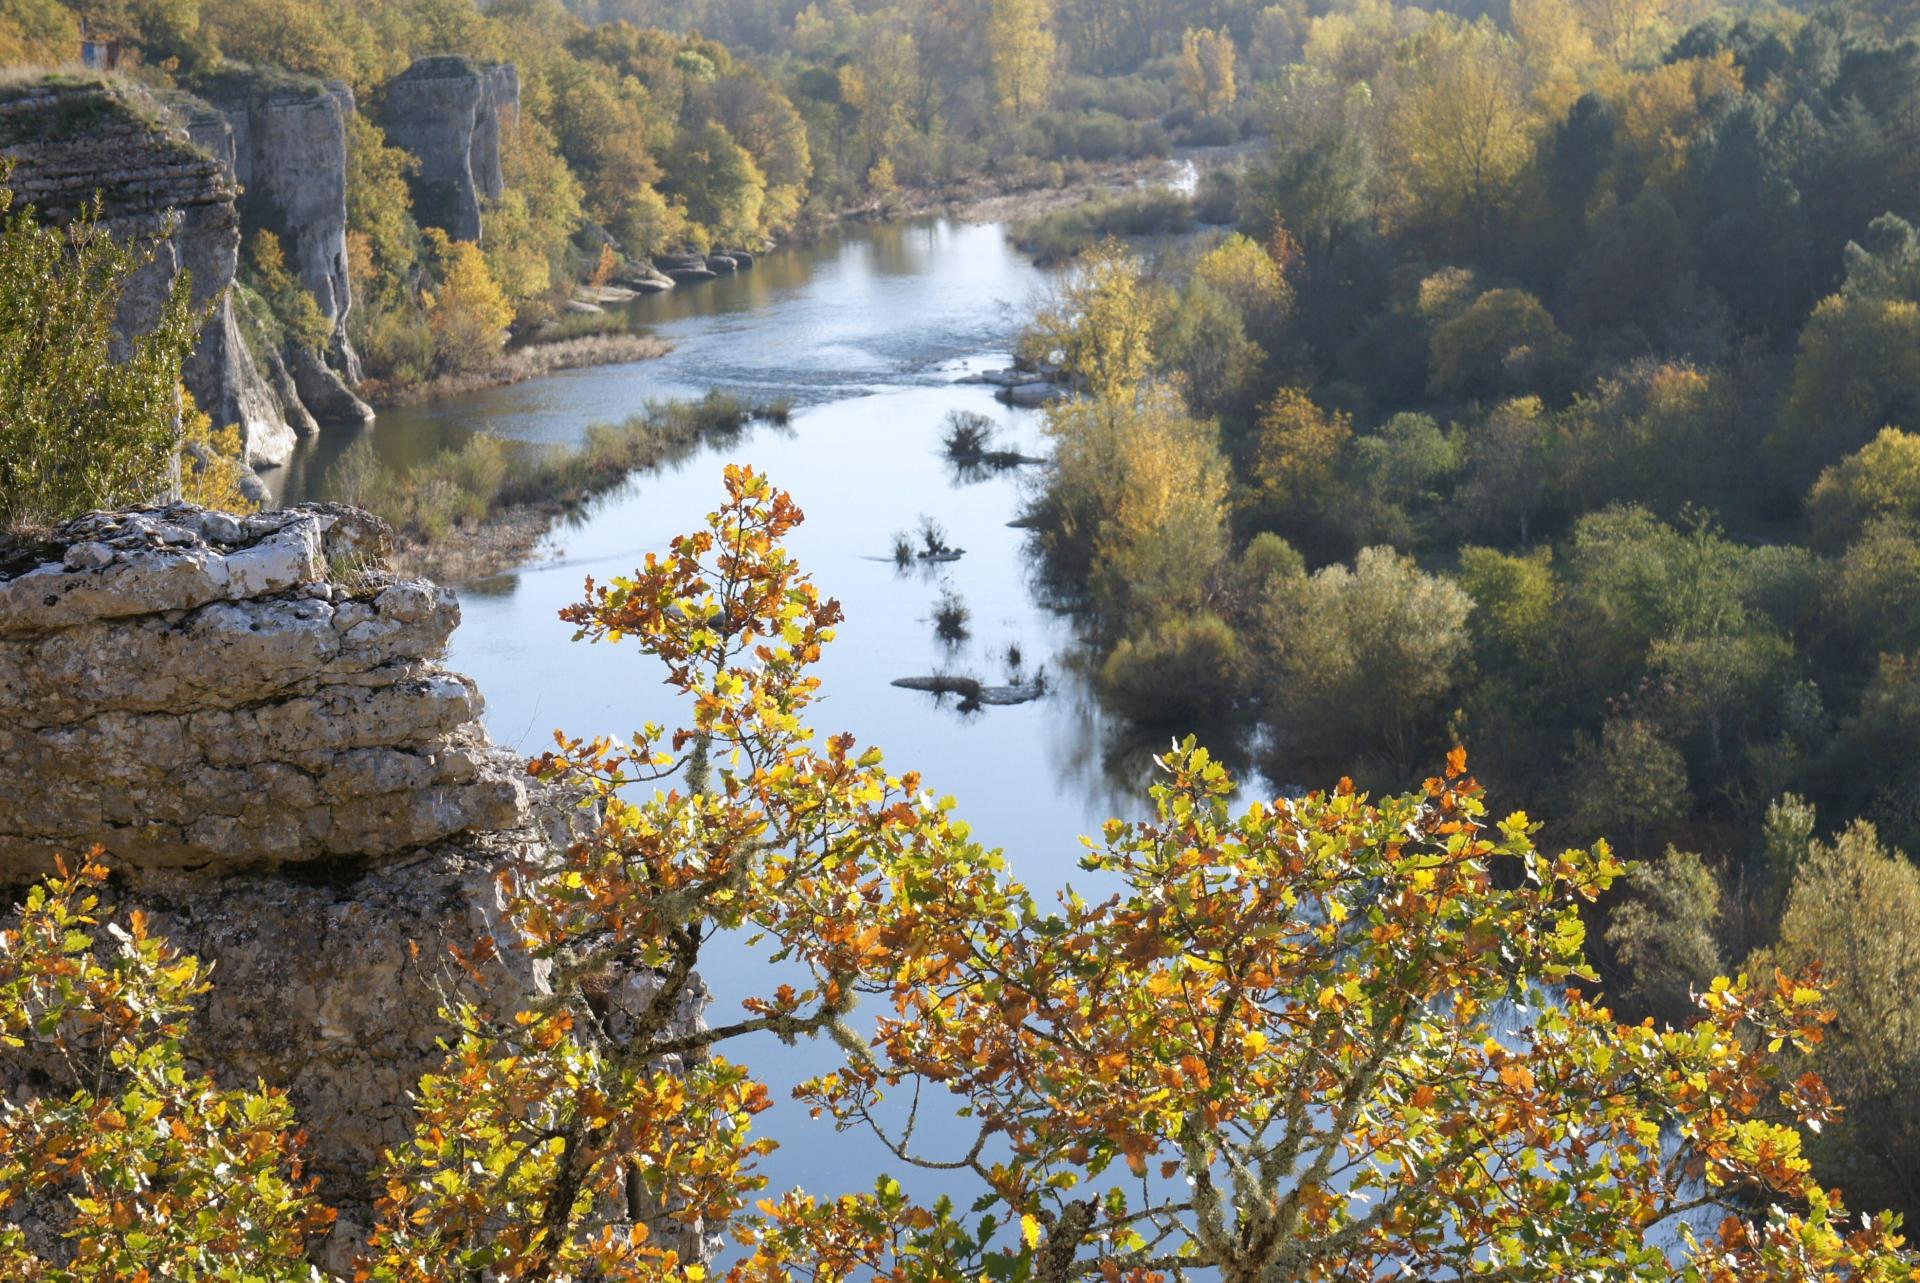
pixel 869 332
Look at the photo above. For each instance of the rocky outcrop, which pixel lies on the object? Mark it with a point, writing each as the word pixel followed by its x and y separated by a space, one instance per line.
pixel 161 168
pixel 446 112
pixel 189 689
pixel 250 716
pixel 290 158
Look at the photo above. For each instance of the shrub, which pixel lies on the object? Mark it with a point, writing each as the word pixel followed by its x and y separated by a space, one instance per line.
pixel 1182 671
pixel 967 435
pixel 78 428
pixel 1881 479
pixel 1057 237
pixel 1503 340
pixel 950 616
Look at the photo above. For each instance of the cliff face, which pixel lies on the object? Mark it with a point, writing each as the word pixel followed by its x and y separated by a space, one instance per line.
pixel 250 715
pixel 290 158
pixel 150 162
pixel 446 112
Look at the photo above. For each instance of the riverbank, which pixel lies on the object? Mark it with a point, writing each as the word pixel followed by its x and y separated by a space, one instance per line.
pixel 517 365
pixel 481 511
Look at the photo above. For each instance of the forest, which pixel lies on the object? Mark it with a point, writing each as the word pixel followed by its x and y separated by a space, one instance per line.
pixel 1548 395
pixel 1537 381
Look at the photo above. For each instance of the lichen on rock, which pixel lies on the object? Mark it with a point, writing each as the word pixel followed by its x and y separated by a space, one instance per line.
pixel 191 689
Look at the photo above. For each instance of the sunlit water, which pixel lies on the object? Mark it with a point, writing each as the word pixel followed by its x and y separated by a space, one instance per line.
pixel 868 332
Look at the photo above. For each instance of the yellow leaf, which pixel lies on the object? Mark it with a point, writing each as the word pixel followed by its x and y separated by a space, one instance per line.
pixel 1030 1230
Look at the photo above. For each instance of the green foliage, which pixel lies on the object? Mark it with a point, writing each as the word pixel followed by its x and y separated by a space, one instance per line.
pixel 1367 657
pixel 1858 370
pixel 1138 495
pixel 1881 479
pixel 1663 937
pixel 1875 593
pixel 37 33
pixel 1855 907
pixel 1631 778
pixel 143 1167
pixel 1403 470
pixel 1203 342
pixel 1067 234
pixel 82 424
pixel 1099 328
pixel 296 316
pixel 1504 341
pixel 723 188
pixel 383 240
pixel 1181 671
pixel 1510 470
pixel 1516 601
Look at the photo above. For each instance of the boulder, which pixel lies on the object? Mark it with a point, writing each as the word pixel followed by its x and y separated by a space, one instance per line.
pixel 1031 395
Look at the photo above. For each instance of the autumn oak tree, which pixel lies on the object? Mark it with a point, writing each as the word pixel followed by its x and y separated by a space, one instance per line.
pixel 1287 1046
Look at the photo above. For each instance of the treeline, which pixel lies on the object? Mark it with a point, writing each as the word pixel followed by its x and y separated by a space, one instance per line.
pixel 637 135
pixel 1551 397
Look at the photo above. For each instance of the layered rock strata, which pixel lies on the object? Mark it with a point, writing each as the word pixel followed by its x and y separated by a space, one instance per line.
pixel 187 689
pixel 162 171
pixel 250 715
pixel 289 155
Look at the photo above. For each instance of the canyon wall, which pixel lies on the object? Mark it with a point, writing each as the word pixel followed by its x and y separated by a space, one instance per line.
pixel 447 112
pixel 289 156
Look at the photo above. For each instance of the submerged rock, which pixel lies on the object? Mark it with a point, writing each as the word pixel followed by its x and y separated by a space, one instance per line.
pixel 972 691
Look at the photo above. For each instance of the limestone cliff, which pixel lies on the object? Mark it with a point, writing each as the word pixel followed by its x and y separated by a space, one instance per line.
pixel 249 714
pixel 158 167
pixel 290 158
pixel 446 112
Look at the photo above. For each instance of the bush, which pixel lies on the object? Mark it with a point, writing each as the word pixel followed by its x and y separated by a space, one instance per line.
pixel 1212 131
pixel 1503 340
pixel 1217 201
pixel 968 436
pixel 1881 479
pixel 1064 234
pixel 1183 671
pixel 78 428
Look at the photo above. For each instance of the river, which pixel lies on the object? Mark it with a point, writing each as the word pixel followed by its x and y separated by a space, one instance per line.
pixel 869 331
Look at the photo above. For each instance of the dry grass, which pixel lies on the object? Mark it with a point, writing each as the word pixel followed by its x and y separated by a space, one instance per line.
pixel 532 361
